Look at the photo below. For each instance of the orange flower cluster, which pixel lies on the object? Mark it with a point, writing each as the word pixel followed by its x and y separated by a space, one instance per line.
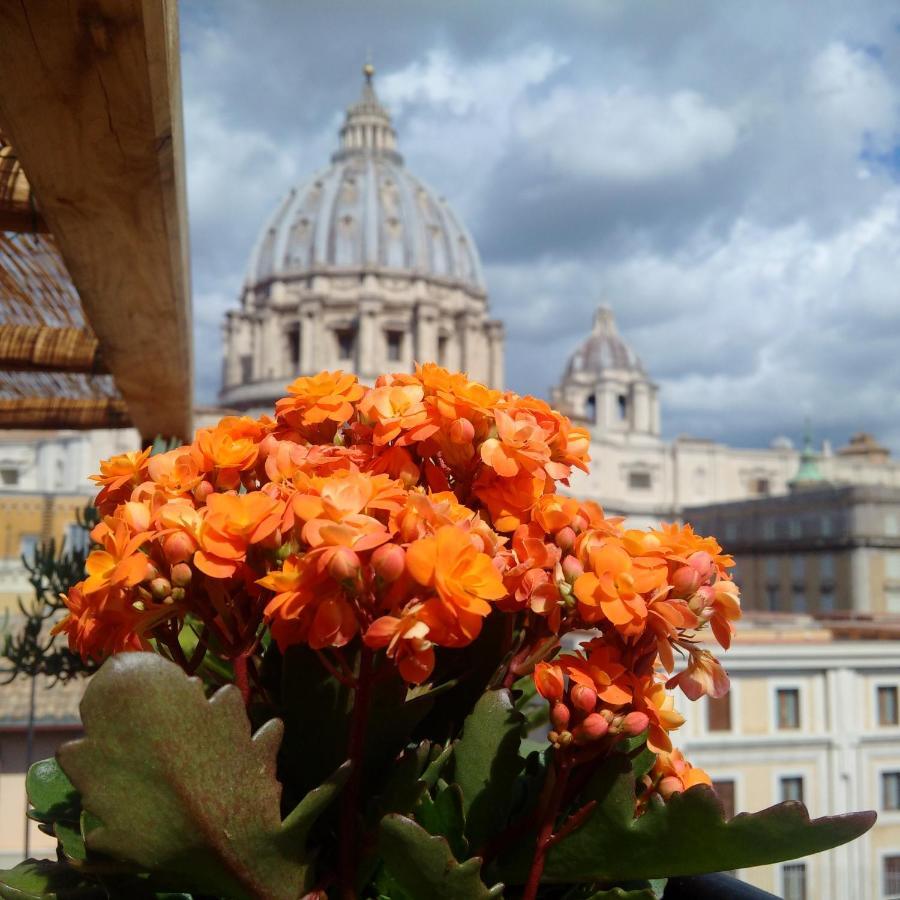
pixel 403 515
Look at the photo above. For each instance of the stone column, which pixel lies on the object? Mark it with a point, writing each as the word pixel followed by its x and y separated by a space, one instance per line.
pixel 370 339
pixel 312 355
pixel 426 338
pixel 640 411
pixel 272 349
pixel 496 353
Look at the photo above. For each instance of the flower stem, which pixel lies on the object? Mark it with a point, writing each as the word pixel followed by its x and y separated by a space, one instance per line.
pixel 350 800
pixel 560 772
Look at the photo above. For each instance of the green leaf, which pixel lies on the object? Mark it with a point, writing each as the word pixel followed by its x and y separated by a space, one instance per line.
pixel 423 866
pixel 71 843
pixel 688 835
pixel 296 827
pixel 179 786
pixel 487 763
pixel 443 816
pixel 405 784
pixel 41 879
pixel 50 793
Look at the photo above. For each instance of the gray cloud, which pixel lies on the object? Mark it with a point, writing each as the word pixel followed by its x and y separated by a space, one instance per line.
pixel 720 174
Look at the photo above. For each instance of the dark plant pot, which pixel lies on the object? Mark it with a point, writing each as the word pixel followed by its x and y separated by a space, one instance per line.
pixel 713 887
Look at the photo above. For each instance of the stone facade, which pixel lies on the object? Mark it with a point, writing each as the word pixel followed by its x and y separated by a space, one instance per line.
pixel 362 268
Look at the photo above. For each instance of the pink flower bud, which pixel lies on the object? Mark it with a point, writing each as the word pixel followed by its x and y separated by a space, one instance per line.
pixel 181 575
pixel 702 562
pixel 669 785
pixel 565 539
pixel 591 729
pixel 178 547
pixel 150 572
pixel 462 431
pixel 685 581
pixel 580 522
pixel 702 601
pixel 635 723
pixel 203 490
pixel 583 698
pixel 572 569
pixel 560 716
pixel 389 562
pixel 343 564
pixel 268 446
pixel 137 515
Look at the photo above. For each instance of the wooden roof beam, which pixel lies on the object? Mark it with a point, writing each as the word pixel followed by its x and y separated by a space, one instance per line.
pixel 90 98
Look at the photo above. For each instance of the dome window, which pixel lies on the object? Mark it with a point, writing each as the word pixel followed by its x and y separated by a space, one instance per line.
pixel 395 346
pixel 623 407
pixel 590 408
pixel 346 343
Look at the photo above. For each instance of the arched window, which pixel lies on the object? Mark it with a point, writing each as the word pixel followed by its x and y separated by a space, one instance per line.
pixel 623 407
pixel 590 408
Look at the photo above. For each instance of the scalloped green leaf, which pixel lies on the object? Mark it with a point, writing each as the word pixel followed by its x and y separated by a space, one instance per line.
pixel 41 879
pixel 51 795
pixel 443 816
pixel 487 763
pixel 180 788
pixel 422 865
pixel 688 835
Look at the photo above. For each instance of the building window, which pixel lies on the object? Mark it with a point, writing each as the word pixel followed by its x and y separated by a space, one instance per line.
pixel 891 877
pixel 718 713
pixel 788 702
pixel 246 368
pixel 346 342
pixel 826 567
pixel 28 544
pixel 394 346
pixel 623 407
pixel 798 568
pixel 9 475
pixel 762 487
pixel 768 529
pixel 590 408
pixel 772 568
pixel 724 789
pixel 887 705
pixel 798 600
pixel 293 339
pixel 793 881
pixel 892 565
pixel 826 600
pixel 791 788
pixel 772 599
pixel 442 350
pixel 639 480
pixel 825 525
pixel 890 790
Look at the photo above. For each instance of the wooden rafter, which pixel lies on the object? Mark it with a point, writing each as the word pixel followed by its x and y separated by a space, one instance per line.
pixel 18 207
pixel 90 98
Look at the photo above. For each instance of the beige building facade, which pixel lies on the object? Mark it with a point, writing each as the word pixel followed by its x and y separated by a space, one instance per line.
pixel 812 715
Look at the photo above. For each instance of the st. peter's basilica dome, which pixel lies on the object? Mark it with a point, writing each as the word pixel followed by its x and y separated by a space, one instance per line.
pixel 364 268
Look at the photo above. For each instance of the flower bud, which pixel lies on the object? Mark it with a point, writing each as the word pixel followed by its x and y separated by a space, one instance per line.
pixel 634 723
pixel 669 785
pixel 565 539
pixel 572 569
pixel 343 564
pixel 702 601
pixel 160 588
pixel 580 522
pixel 268 445
pixel 150 572
pixel 583 698
pixel 702 562
pixel 177 595
pixel 685 581
pixel 136 515
pixel 389 562
pixel 560 716
pixel 462 431
pixel 203 490
pixel 548 679
pixel 181 575
pixel 591 729
pixel 178 547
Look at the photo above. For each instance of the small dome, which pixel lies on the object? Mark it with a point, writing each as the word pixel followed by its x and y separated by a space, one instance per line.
pixel 366 213
pixel 604 349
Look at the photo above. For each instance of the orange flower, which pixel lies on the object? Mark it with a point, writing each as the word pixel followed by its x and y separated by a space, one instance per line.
pixel 520 445
pixel 326 398
pixel 673 774
pixel 408 639
pixel 232 523
pixel 118 475
pixel 120 563
pixel 555 511
pixel 175 473
pixel 601 670
pixel 463 577
pixel 616 585
pixel 549 681
pixel 726 608
pixel 398 414
pixel 230 448
pixel 509 500
pixel 651 697
pixel 702 675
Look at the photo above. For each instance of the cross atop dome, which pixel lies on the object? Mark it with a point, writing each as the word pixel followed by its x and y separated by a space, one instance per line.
pixel 367 128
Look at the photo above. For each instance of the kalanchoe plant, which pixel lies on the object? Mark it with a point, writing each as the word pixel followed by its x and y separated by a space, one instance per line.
pixel 378 584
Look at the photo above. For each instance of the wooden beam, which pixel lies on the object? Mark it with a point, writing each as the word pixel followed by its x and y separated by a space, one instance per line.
pixel 28 348
pixel 90 98
pixel 63 412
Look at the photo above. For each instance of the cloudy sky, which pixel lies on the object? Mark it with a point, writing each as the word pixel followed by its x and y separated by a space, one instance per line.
pixel 726 176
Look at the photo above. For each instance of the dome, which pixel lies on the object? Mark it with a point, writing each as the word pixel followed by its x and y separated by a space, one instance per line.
pixel 604 350
pixel 366 213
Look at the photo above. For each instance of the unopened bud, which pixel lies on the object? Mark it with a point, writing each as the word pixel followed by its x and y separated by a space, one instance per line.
pixel 583 698
pixel 181 575
pixel 268 445
pixel 580 522
pixel 702 601
pixel 565 738
pixel 462 431
pixel 607 714
pixel 177 594
pixel 178 547
pixel 669 785
pixel 389 562
pixel 203 490
pixel 591 729
pixel 160 588
pixel 685 581
pixel 565 538
pixel 343 564
pixel 150 572
pixel 560 716
pixel 136 515
pixel 635 723
pixel 572 569
pixel 702 562
pixel 553 736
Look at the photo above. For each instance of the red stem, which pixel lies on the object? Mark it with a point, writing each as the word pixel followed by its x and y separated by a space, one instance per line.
pixel 545 836
pixel 240 677
pixel 350 799
pixel 349 682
